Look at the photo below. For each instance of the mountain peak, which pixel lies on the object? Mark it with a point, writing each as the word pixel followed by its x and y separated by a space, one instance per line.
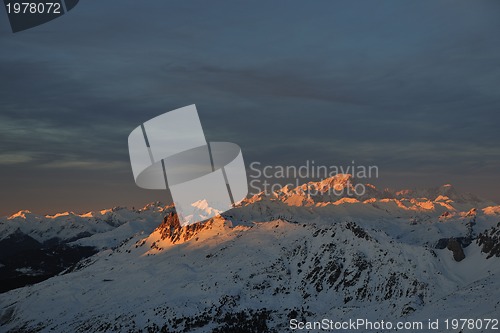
pixel 341 179
pixel 22 214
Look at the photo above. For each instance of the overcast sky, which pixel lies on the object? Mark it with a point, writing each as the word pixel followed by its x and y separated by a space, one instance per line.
pixel 410 86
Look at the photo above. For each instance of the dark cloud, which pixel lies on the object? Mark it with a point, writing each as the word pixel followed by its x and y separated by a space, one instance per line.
pixel 409 86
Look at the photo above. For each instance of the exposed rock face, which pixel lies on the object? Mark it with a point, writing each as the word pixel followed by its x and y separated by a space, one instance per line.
pixel 490 241
pixel 171 229
pixel 455 247
pixel 358 231
pixel 445 214
pixel 472 212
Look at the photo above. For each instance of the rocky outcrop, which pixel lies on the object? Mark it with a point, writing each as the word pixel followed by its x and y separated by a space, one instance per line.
pixel 490 241
pixel 456 247
pixel 171 229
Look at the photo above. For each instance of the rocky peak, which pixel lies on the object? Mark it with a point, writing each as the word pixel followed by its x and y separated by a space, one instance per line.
pixel 171 229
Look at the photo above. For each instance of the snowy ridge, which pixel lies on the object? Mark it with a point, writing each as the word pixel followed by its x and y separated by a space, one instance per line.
pixel 69 226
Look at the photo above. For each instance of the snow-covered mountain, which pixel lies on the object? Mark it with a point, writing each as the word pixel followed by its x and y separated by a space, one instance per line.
pixel 34 248
pixel 290 257
pixel 69 226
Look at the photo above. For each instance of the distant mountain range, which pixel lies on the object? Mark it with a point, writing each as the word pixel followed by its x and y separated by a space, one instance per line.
pixel 291 257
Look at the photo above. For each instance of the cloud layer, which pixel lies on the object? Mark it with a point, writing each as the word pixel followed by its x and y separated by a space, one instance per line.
pixel 409 86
